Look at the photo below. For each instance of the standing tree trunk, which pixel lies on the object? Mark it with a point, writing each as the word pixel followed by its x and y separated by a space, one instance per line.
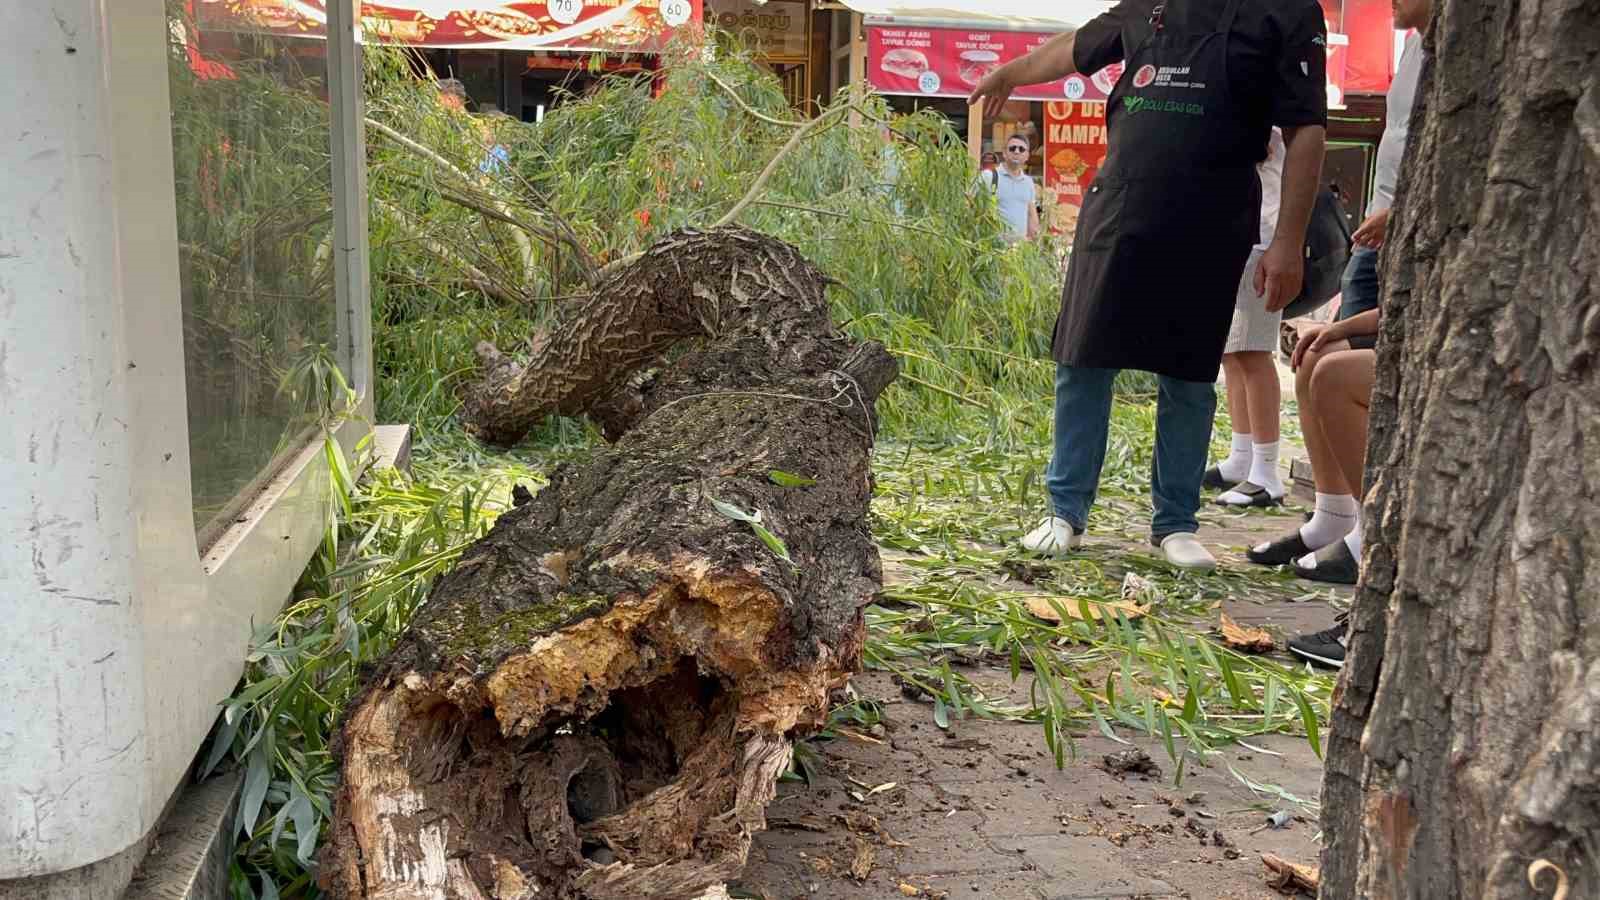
pixel 1466 730
pixel 596 703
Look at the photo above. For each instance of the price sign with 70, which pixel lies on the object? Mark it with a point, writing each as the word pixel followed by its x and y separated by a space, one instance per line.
pixel 566 11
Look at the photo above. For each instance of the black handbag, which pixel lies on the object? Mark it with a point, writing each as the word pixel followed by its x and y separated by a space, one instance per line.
pixel 1328 242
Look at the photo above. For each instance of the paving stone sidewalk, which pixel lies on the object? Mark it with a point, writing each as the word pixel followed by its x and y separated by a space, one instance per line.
pixel 980 811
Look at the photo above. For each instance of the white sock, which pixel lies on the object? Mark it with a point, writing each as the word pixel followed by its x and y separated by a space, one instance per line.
pixel 1264 468
pixel 1335 516
pixel 1237 465
pixel 1353 541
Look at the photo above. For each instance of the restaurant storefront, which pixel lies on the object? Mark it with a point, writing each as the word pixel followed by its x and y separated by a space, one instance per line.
pixel 932 58
pixel 779 32
pixel 520 58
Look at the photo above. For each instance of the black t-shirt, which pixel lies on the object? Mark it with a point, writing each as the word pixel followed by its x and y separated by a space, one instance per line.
pixel 1277 52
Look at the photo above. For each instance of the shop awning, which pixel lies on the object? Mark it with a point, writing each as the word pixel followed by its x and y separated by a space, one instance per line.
pixel 944 50
pixel 613 25
pixel 1007 15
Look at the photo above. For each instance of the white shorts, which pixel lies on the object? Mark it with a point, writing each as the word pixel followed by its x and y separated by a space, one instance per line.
pixel 1253 328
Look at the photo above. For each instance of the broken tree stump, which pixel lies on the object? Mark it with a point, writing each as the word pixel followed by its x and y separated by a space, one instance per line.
pixel 597 701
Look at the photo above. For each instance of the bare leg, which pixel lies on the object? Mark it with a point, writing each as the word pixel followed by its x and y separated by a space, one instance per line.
pixel 1233 374
pixel 1237 464
pixel 1261 395
pixel 1336 509
pixel 1325 469
pixel 1342 384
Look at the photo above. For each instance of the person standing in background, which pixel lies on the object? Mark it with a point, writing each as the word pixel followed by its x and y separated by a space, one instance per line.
pixel 1167 226
pixel 1015 192
pixel 1337 513
pixel 1361 276
pixel 1248 368
pixel 1329 547
pixel 452 94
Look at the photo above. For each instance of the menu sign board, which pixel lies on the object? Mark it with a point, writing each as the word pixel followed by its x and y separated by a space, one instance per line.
pixel 949 62
pixel 775 28
pixel 1074 151
pixel 621 25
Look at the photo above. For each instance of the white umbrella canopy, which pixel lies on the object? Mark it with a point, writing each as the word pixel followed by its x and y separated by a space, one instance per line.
pixel 1047 15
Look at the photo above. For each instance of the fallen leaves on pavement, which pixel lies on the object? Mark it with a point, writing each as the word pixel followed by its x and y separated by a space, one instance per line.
pixel 1248 640
pixel 861 864
pixel 1044 608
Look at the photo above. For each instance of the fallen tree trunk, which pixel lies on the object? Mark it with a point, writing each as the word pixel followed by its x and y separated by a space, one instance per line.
pixel 597 701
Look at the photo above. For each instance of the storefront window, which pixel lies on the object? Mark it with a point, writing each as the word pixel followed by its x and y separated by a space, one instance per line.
pixel 250 134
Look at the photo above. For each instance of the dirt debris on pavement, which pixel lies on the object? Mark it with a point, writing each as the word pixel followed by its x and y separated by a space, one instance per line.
pixel 979 809
pixel 1290 878
pixel 1133 761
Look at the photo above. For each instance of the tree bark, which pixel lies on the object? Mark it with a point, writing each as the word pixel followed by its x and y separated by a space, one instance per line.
pixel 598 700
pixel 1466 729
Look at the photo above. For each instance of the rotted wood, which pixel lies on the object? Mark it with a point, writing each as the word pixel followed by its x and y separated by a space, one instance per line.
pixel 597 701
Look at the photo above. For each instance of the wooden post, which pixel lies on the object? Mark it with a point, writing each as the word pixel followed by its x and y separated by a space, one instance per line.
pixel 975 132
pixel 858 65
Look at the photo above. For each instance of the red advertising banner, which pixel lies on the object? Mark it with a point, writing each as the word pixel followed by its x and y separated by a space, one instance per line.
pixel 1074 150
pixel 949 62
pixel 1360 47
pixel 616 25
pixel 1370 24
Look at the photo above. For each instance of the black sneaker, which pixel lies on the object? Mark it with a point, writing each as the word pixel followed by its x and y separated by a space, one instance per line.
pixel 1326 647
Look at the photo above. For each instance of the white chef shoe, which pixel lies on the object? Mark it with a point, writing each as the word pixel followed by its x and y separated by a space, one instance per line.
pixel 1053 537
pixel 1184 550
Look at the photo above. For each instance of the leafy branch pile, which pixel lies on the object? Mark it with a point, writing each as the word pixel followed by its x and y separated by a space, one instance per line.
pixel 918 257
pixel 965 599
pixel 464 251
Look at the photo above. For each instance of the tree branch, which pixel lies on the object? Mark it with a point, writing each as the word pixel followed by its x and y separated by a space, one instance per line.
pixel 475 276
pixel 843 215
pixel 815 125
pixel 417 148
pixel 562 236
pixel 750 109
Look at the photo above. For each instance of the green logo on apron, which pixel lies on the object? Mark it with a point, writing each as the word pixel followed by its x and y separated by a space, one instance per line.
pixel 1133 104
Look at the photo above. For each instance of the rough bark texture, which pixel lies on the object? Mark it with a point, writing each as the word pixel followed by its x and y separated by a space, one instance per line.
pixel 1466 733
pixel 597 701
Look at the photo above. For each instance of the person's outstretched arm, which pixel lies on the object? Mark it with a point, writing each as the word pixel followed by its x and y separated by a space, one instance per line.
pixel 1047 62
pixel 1088 49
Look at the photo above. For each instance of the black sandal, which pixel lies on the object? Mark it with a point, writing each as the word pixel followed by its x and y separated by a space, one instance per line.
pixel 1280 552
pixel 1213 479
pixel 1335 565
pixel 1259 498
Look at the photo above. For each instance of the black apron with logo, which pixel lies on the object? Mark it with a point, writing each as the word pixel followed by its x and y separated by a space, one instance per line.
pixel 1167 226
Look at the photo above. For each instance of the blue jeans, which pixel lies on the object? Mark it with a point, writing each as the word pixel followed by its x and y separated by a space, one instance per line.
pixel 1184 411
pixel 1360 283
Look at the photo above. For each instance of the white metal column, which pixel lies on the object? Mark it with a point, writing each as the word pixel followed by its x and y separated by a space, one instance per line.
pixel 73 754
pixel 120 637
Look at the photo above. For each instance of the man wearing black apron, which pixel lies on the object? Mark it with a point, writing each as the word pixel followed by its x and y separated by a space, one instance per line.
pixel 1167 226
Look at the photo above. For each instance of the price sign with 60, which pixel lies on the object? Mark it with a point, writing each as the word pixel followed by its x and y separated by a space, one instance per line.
pixel 675 12
pixel 566 11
